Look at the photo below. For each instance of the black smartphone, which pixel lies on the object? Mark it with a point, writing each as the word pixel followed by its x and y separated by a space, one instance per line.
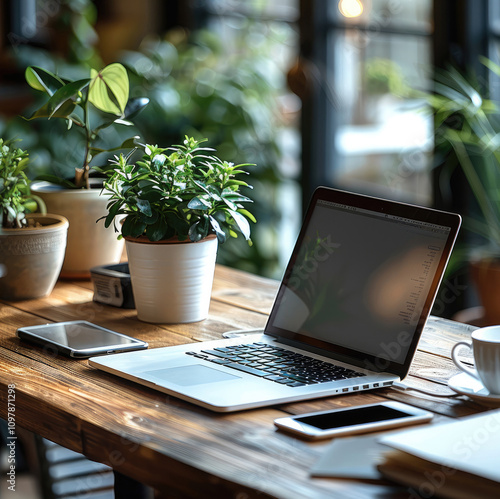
pixel 79 339
pixel 353 420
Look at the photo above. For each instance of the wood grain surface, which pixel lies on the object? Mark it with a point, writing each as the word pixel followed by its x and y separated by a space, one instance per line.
pixel 178 448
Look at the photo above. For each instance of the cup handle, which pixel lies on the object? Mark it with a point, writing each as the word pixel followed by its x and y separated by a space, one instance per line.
pixel 459 363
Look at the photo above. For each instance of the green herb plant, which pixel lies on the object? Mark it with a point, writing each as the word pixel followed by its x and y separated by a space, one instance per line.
pixel 182 191
pixel 92 104
pixel 15 196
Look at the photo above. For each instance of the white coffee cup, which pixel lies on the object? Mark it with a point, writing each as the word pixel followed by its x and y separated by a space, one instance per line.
pixel 486 349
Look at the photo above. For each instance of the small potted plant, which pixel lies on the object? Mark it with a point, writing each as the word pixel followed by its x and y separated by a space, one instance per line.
pixel 178 203
pixel 32 245
pixel 91 105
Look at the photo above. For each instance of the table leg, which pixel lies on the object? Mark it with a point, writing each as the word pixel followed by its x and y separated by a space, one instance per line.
pixel 128 488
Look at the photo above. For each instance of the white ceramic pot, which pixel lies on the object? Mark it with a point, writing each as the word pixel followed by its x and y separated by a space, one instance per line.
pixel 90 244
pixel 31 258
pixel 172 280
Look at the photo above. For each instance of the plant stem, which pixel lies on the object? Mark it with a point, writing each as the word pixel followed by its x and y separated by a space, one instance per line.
pixel 82 174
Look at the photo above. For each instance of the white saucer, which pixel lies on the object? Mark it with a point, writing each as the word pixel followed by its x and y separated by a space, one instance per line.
pixel 467 385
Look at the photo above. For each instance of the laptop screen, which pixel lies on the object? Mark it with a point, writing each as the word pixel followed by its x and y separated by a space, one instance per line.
pixel 362 278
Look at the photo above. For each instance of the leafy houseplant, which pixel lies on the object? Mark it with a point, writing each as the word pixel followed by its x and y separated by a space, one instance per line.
pixel 92 105
pixel 32 245
pixel 230 92
pixel 181 200
pixel 185 193
pixel 467 129
pixel 15 196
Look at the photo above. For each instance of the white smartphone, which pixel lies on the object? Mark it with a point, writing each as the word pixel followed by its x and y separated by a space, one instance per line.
pixel 353 420
pixel 79 339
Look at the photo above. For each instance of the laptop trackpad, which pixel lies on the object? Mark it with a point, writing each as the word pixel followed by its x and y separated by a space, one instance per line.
pixel 189 375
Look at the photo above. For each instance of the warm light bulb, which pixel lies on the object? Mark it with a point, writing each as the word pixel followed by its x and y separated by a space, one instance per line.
pixel 350 8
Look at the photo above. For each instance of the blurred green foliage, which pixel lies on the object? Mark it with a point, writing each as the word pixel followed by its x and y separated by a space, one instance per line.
pixel 199 85
pixel 203 84
pixel 385 76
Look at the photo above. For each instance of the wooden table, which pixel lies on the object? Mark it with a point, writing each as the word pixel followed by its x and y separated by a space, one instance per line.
pixel 179 449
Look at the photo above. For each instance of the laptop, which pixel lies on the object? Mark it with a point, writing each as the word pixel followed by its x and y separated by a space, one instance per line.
pixel 347 317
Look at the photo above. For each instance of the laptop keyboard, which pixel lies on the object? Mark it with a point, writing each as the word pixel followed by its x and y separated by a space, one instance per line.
pixel 276 364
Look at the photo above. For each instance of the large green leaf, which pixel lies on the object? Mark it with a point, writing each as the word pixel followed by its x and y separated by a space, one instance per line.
pixel 63 110
pixel 235 197
pixel 43 80
pixel 109 89
pixel 221 236
pixel 113 208
pixel 242 223
pixel 198 203
pixel 135 106
pixel 151 194
pixel 198 230
pixel 157 230
pixel 62 103
pixel 178 224
pixel 247 214
pixel 144 206
pixel 229 203
pixel 133 226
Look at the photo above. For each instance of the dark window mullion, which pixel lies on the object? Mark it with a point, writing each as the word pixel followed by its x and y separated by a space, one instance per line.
pixel 314 126
pixel 377 29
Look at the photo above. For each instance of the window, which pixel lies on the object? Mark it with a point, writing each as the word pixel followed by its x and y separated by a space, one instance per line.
pixel 374 57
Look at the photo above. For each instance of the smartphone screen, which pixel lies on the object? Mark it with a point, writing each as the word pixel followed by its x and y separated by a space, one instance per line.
pixel 350 421
pixel 79 338
pixel 360 415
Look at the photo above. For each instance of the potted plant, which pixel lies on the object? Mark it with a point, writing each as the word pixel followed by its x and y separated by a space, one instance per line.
pixel 32 245
pixel 178 203
pixel 467 129
pixel 92 105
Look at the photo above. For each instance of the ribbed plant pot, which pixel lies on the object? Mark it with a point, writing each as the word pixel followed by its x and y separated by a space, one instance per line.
pixel 90 244
pixel 172 280
pixel 31 258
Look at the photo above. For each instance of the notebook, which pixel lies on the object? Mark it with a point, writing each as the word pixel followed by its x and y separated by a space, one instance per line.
pixel 349 312
pixel 455 459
